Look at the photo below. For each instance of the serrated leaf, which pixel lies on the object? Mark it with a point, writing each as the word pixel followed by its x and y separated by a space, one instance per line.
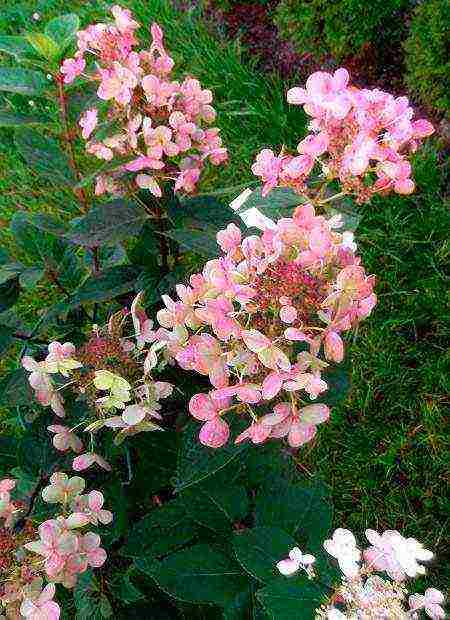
pixel 215 504
pixel 16 46
pixel 22 81
pixel 196 462
pixel 8 453
pixel 63 29
pixel 163 530
pixel 37 246
pixel 111 283
pixel 45 156
pixel 9 293
pixel 124 589
pixel 156 455
pixel 303 511
pixel 9 271
pixel 30 277
pixel 11 119
pixel 201 242
pixel 285 600
pixel 44 45
pixel 241 608
pixel 36 454
pixel 108 224
pixel 6 337
pixel 200 574
pixel 203 209
pixel 259 549
pixel 280 202
pixel 269 461
pixel 87 597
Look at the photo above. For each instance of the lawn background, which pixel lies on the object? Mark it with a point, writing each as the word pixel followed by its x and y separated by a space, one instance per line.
pixel 383 452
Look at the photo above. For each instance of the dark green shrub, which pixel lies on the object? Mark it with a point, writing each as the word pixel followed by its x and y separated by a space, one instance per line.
pixel 427 59
pixel 340 27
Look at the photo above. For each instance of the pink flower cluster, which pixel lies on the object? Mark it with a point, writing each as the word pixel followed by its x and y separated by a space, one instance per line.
pixel 158 123
pixel 362 595
pixel 361 137
pixel 64 545
pixel 7 507
pixel 118 401
pixel 66 549
pixel 259 321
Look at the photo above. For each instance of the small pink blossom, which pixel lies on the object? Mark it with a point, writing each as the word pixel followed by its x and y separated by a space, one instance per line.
pixel 296 561
pixel 431 602
pixel 88 122
pixel 62 488
pixel 64 439
pixel 92 505
pixel 87 459
pixel 71 68
pixel 215 432
pixel 396 555
pixel 342 546
pixel 43 607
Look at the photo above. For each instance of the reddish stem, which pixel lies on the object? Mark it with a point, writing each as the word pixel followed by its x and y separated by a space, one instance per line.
pixel 80 193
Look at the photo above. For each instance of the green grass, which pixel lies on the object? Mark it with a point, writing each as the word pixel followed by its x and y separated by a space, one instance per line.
pixel 383 452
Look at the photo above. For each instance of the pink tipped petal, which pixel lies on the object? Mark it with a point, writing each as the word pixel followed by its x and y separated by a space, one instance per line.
pixel 214 433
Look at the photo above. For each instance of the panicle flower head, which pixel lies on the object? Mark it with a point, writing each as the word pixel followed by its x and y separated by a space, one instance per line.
pixel 112 372
pixel 259 321
pixel 361 137
pixel 361 594
pixel 160 124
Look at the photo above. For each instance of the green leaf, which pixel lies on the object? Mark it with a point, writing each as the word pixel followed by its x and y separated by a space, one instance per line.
pixel 38 247
pixel 163 530
pixel 48 223
pixel 204 210
pixel 216 503
pixel 200 574
pixel 9 271
pixel 90 604
pixel 154 286
pixel 6 337
pixel 259 549
pixel 30 277
pixel 22 81
pixel 63 30
pixel 279 202
pixel 156 460
pixel 9 293
pixel 196 462
pixel 303 511
pixel 285 600
pixel 124 589
pixel 11 119
pixel 8 453
pixel 108 224
pixel 36 454
pixel 202 242
pixel 111 283
pixel 45 157
pixel 15 389
pixel 43 44
pixel 269 461
pixel 242 607
pixel 16 46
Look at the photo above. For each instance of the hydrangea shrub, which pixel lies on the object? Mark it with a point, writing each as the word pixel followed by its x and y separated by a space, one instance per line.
pixel 170 308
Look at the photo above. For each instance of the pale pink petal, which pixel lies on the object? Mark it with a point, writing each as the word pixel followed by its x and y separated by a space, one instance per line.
pixel 214 433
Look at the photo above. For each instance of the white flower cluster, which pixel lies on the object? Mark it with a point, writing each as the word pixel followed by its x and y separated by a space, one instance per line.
pixel 363 595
